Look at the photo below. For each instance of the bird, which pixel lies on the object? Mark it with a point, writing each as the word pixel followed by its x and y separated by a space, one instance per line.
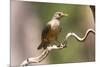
pixel 51 30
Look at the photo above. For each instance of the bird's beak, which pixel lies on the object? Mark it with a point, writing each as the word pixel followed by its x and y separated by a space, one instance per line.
pixel 65 15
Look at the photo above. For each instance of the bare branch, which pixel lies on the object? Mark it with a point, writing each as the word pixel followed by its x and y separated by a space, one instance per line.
pixel 77 37
pixel 49 48
pixel 36 59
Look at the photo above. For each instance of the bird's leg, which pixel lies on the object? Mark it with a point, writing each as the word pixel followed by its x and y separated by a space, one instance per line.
pixel 64 43
pixel 57 41
pixel 61 44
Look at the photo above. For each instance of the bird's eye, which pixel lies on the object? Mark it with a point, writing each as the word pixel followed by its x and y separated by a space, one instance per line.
pixel 59 14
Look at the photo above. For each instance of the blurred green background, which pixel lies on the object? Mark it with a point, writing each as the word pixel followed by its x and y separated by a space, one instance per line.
pixel 77 22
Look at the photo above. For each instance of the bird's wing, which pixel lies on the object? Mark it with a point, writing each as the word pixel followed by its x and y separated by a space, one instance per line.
pixel 45 31
pixel 60 29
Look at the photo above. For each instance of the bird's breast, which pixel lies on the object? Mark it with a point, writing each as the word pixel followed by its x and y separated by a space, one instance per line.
pixel 54 24
pixel 52 34
pixel 55 29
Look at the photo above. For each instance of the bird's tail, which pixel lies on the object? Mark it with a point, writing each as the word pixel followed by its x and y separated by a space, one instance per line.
pixel 42 45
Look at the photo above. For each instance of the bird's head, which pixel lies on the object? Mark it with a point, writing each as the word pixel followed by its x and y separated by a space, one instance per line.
pixel 59 15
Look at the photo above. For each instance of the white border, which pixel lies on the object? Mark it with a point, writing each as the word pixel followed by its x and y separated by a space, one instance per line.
pixel 4 33
pixel 84 2
pixel 5 36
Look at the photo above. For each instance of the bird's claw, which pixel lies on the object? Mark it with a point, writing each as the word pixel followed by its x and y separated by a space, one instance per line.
pixel 62 45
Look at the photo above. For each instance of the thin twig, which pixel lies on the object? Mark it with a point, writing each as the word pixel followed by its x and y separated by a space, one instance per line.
pixel 77 37
pixel 49 48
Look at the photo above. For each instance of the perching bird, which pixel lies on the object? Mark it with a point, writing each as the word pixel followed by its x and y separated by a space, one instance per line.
pixel 51 31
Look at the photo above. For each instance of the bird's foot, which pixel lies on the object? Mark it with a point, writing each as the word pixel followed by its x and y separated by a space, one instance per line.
pixel 62 45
